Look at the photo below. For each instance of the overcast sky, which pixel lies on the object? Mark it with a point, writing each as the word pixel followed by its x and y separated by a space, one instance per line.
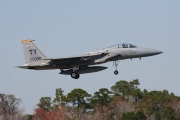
pixel 65 28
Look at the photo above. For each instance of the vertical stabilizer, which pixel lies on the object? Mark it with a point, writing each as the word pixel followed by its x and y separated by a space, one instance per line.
pixel 32 54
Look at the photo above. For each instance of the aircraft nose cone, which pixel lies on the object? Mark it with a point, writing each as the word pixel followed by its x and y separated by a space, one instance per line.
pixel 160 52
pixel 148 52
pixel 153 52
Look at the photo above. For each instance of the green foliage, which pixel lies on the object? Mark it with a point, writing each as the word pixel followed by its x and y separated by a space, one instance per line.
pixel 140 115
pixel 60 97
pixel 27 117
pixel 129 116
pixel 166 113
pixel 101 98
pixel 127 89
pixel 121 88
pixel 157 103
pixel 45 103
pixel 125 100
pixel 134 116
pixel 78 97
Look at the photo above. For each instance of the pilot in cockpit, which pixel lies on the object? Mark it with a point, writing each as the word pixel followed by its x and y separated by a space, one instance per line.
pixel 126 45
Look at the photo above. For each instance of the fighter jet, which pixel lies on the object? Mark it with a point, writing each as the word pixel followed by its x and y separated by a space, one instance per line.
pixel 84 63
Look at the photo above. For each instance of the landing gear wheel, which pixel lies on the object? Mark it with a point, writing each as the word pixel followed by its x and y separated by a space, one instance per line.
pixel 116 72
pixel 116 65
pixel 75 75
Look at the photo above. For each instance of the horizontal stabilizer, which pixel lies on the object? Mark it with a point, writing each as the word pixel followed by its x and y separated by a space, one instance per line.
pixel 30 66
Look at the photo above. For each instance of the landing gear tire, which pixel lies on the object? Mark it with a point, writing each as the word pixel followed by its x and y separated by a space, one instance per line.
pixel 75 75
pixel 116 72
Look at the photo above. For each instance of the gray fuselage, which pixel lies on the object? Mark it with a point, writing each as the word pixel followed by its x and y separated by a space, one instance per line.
pixel 110 54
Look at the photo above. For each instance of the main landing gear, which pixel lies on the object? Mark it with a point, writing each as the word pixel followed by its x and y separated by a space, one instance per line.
pixel 75 75
pixel 116 65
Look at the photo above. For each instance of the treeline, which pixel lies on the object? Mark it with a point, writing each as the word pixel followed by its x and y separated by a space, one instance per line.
pixel 124 101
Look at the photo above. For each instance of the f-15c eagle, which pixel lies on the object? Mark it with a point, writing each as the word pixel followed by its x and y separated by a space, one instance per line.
pixel 82 64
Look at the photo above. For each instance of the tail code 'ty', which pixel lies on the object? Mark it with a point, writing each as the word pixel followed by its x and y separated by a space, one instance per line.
pixel 31 53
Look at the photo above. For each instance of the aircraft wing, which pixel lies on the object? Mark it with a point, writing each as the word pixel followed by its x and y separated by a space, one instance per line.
pixel 29 66
pixel 74 59
pixel 108 57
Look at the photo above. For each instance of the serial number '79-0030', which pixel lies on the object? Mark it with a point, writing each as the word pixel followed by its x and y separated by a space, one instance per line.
pixel 35 58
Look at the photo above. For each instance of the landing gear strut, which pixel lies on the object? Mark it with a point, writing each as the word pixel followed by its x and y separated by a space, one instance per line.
pixel 116 65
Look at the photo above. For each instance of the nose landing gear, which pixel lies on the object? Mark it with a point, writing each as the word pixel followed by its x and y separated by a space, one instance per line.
pixel 116 65
pixel 116 72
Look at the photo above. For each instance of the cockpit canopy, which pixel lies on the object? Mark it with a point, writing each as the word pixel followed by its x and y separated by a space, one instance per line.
pixel 124 45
